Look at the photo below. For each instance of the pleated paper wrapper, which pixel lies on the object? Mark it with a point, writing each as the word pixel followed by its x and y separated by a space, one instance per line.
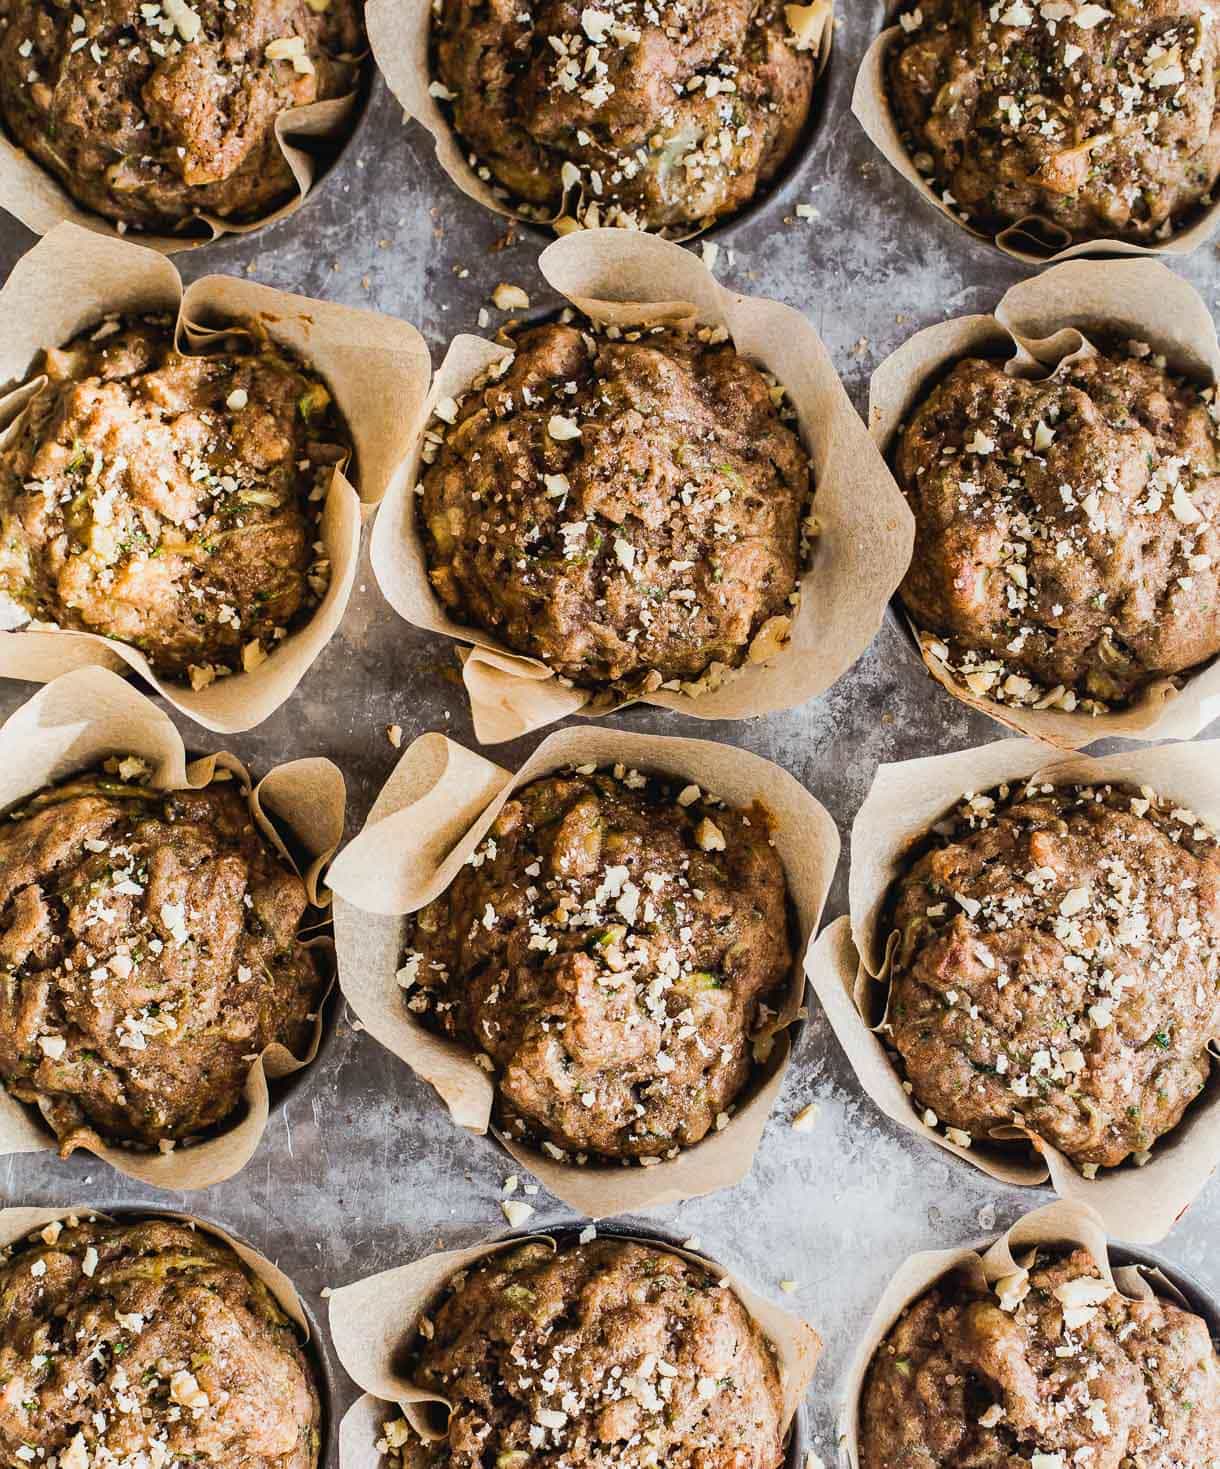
pixel 431 815
pixel 376 367
pixel 374 1320
pixel 80 720
pixel 1039 324
pixel 1032 240
pixel 848 968
pixel 1055 1226
pixel 866 530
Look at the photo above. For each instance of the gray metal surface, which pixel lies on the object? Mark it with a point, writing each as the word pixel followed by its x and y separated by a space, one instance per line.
pixel 361 1169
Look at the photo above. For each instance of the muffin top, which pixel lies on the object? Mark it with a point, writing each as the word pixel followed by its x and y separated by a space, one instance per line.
pixel 607 1355
pixel 155 114
pixel 170 501
pixel 612 951
pixel 1058 965
pixel 1067 542
pixel 147 1343
pixel 653 114
pixel 1054 1368
pixel 626 508
pixel 148 948
pixel 1098 118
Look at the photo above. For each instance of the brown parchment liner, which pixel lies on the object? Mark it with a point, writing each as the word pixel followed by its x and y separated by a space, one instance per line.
pixel 377 368
pixel 82 718
pixel 1038 325
pixel 1054 1225
pixel 866 530
pixel 37 198
pixel 372 1320
pixel 870 103
pixel 848 968
pixel 430 816
pixel 399 34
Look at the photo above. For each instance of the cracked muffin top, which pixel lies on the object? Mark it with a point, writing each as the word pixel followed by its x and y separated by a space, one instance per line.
pixel 147 1344
pixel 1058 967
pixel 148 953
pixel 170 501
pixel 1052 1368
pixel 1098 118
pixel 1067 542
pixel 155 114
pixel 652 114
pixel 605 1355
pixel 626 508
pixel 612 951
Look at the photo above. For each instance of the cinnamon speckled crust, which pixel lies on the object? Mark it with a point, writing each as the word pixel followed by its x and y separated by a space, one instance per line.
pixel 1067 548
pixel 148 1344
pixel 154 115
pixel 1058 962
pixel 627 511
pixel 1100 118
pixel 1057 1370
pixel 170 500
pixel 666 113
pixel 148 952
pixel 608 1355
pixel 611 951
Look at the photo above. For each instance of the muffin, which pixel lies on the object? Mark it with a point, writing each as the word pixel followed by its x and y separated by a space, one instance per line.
pixel 1057 967
pixel 1098 119
pixel 154 115
pixel 1052 1368
pixel 148 953
pixel 1067 541
pixel 151 1343
pixel 625 508
pixel 614 952
pixel 170 501
pixel 657 116
pixel 595 1355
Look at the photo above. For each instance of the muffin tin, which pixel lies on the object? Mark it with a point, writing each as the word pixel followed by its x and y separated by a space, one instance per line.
pixel 360 1169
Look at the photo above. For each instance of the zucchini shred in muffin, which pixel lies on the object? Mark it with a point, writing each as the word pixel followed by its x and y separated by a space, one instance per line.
pixel 1086 121
pixel 1056 969
pixel 649 114
pixel 169 500
pixel 626 507
pixel 1051 1366
pixel 154 115
pixel 591 1355
pixel 616 953
pixel 1067 543
pixel 149 952
pixel 142 1344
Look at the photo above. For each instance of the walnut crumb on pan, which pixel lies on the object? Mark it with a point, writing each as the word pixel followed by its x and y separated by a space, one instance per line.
pixel 617 970
pixel 1057 969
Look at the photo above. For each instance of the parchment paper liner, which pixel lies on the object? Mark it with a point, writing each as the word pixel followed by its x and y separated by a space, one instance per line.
pixel 432 813
pixel 373 1320
pixel 848 967
pixel 399 32
pixel 377 367
pixel 36 197
pixel 871 105
pixel 861 554
pixel 1038 324
pixel 1057 1224
pixel 86 716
